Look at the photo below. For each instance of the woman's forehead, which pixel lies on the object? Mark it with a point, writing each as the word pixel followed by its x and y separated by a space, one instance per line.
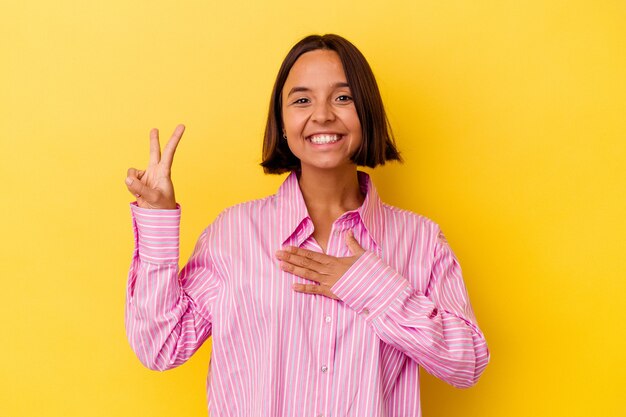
pixel 318 68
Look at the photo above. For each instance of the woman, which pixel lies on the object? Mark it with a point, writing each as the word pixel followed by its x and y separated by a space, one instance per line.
pixel 321 300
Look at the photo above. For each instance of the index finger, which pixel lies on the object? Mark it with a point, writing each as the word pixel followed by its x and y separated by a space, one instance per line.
pixel 155 147
pixel 170 148
pixel 308 254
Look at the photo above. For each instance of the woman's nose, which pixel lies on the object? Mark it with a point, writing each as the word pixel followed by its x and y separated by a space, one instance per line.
pixel 323 112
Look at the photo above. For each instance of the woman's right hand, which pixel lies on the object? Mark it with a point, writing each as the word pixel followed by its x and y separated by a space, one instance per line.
pixel 153 186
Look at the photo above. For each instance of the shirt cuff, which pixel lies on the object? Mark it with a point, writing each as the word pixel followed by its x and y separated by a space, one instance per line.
pixel 370 286
pixel 156 234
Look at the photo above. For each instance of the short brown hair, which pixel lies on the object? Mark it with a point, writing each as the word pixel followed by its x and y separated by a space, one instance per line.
pixel 378 145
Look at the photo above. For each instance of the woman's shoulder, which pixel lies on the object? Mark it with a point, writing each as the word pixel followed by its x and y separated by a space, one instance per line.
pixel 245 217
pixel 248 210
pixel 404 225
pixel 408 218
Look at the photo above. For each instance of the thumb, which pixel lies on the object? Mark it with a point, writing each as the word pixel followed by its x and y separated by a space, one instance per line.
pixel 139 189
pixel 353 245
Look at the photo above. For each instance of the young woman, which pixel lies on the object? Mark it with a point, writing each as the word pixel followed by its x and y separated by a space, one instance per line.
pixel 321 300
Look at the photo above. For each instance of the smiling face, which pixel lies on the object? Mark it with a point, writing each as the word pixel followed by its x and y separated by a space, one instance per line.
pixel 318 112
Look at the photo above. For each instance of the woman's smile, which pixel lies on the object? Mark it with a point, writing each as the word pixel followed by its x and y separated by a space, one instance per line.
pixel 324 138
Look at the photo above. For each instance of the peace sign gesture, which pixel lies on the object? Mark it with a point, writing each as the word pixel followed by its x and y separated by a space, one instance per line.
pixel 153 187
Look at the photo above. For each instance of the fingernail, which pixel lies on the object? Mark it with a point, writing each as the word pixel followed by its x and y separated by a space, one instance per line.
pixel 129 180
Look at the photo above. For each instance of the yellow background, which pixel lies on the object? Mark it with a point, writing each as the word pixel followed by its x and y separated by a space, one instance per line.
pixel 510 116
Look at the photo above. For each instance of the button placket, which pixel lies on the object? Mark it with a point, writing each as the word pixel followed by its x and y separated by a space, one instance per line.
pixel 325 366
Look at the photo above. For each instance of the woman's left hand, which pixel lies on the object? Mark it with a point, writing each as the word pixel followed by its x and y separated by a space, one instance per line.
pixel 321 268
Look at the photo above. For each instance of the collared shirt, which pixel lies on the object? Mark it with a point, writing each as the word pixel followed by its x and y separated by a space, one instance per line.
pixel 276 352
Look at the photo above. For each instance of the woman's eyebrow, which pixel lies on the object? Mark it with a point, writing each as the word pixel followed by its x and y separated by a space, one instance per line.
pixel 298 89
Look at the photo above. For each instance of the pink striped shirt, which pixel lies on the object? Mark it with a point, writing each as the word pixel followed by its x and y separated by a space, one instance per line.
pixel 279 353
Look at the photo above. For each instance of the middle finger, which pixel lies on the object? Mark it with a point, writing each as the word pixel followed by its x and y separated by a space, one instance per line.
pixel 301 260
pixel 172 144
pixel 302 272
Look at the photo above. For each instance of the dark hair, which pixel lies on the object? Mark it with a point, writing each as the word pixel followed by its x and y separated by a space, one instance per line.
pixel 377 146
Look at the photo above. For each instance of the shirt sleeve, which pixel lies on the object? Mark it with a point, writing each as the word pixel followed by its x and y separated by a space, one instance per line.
pixel 437 328
pixel 164 322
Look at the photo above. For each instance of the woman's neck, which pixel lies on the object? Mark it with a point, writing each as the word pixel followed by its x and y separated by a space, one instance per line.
pixel 330 191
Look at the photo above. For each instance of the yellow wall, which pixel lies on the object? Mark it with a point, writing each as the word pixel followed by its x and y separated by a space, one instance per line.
pixel 510 116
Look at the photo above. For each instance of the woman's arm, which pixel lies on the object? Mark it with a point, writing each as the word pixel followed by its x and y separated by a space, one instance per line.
pixel 437 328
pixel 164 323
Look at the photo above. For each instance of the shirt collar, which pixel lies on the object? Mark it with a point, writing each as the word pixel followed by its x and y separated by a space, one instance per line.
pixel 292 209
pixel 371 209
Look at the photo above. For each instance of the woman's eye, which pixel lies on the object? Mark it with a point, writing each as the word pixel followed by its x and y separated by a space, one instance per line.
pixel 301 101
pixel 344 97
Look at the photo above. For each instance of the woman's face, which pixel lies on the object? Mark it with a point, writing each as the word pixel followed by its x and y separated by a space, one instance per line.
pixel 320 120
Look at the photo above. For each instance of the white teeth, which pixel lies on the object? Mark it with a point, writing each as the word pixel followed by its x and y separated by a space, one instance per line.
pixel 322 139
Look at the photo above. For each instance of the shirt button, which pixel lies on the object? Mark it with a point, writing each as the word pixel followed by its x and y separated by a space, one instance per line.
pixel 324 368
pixel 366 311
pixel 328 319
